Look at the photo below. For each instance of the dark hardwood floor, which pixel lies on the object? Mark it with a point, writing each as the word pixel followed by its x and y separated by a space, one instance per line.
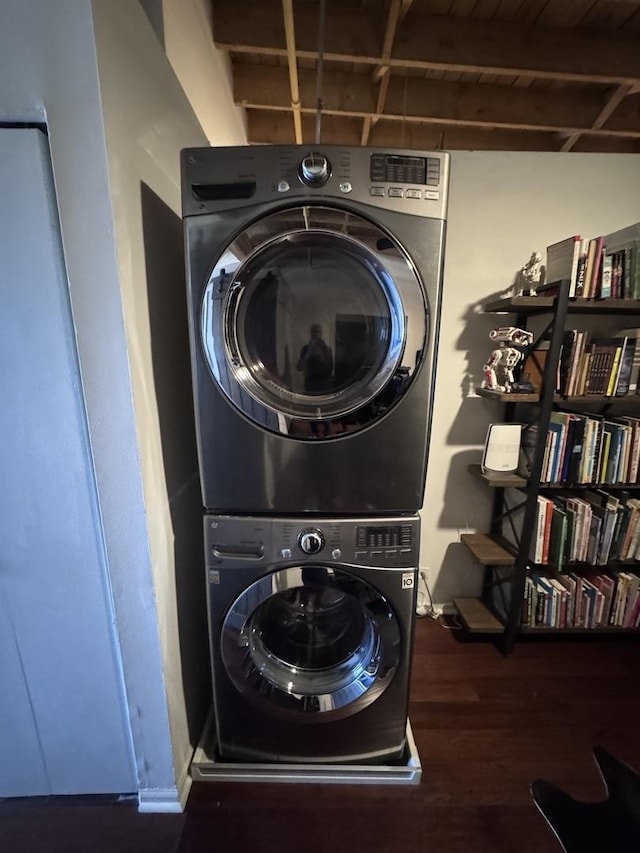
pixel 485 726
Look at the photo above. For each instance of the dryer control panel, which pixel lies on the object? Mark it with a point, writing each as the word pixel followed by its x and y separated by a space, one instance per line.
pixel 403 180
pixel 377 542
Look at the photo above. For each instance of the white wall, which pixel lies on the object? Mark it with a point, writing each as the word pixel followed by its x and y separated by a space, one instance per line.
pixel 146 125
pixel 203 71
pixel 503 206
pixel 101 199
pixel 48 72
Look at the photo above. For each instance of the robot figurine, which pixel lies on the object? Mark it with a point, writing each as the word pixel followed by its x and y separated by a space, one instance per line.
pixel 499 371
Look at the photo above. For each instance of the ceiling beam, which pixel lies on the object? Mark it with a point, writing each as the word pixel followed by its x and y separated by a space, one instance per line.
pixel 416 101
pixel 268 128
pixel 611 105
pixel 381 74
pixel 438 43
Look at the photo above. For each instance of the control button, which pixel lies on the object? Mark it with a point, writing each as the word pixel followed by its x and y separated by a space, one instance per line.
pixel 283 187
pixel 413 193
pixel 315 169
pixel 434 194
pixel 405 550
pixel 391 552
pixel 311 541
pixel 286 553
pixel 376 190
pixel 395 192
pixel 336 553
pixel 361 555
pixel 376 554
pixel 346 187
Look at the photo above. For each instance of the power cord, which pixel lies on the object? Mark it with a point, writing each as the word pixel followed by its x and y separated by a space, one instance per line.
pixel 424 603
pixel 425 606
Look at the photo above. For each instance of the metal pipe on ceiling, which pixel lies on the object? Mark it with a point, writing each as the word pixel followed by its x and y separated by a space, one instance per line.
pixel 289 28
pixel 320 68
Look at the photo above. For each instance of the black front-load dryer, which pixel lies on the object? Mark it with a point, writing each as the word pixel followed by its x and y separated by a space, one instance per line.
pixel 314 281
pixel 311 628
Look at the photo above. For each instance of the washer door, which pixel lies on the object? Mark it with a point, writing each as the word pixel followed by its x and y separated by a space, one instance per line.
pixel 313 322
pixel 315 643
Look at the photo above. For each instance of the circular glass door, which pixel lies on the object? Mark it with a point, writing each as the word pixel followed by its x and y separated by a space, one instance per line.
pixel 313 316
pixel 314 642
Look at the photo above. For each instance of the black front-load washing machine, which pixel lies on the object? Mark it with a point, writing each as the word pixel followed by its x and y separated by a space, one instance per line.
pixel 314 282
pixel 311 632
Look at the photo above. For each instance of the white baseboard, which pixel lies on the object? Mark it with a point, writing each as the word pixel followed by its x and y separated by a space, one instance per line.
pixel 160 800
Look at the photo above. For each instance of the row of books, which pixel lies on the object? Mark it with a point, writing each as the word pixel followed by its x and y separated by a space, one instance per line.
pixel 599 366
pixel 576 601
pixel 586 449
pixel 593 527
pixel 602 267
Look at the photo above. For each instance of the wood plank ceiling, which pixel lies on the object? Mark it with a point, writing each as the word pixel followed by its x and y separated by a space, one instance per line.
pixel 543 75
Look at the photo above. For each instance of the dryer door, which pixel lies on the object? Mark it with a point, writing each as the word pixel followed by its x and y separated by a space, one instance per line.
pixel 314 322
pixel 311 642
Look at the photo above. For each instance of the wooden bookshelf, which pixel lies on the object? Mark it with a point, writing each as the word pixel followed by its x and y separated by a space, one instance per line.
pixel 599 629
pixel 489 550
pixel 498 481
pixel 524 304
pixel 583 399
pixel 477 618
pixel 543 304
pixel 595 399
pixel 604 306
pixel 504 397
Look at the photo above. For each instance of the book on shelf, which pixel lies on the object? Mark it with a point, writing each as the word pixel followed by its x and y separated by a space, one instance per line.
pixel 601 267
pixel 597 366
pixel 624 246
pixel 632 334
pixel 606 290
pixel 623 378
pixel 588 599
pixel 534 365
pixel 602 368
pixel 582 267
pixel 562 263
pixel 594 285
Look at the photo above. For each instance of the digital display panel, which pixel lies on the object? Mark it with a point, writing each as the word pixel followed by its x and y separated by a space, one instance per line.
pixel 382 535
pixel 403 169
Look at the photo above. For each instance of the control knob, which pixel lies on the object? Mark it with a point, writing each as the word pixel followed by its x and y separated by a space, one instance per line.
pixel 315 169
pixel 311 541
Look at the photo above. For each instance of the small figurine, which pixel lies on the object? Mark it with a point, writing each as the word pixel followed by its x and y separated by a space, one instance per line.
pixel 532 275
pixel 499 371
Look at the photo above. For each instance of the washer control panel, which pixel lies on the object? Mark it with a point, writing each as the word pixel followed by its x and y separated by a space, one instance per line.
pixel 377 542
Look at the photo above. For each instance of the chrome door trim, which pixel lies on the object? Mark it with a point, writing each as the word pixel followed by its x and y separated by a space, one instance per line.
pixel 342 691
pixel 274 406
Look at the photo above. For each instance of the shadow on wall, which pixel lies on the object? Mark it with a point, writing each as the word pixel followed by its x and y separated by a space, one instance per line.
pixel 166 294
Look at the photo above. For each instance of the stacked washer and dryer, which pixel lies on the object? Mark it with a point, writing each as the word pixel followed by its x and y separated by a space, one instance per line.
pixel 314 286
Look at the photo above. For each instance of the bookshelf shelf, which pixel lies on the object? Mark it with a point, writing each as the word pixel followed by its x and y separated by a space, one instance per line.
pixel 488 550
pixel 545 304
pixel 576 487
pixel 524 594
pixel 477 618
pixel 521 304
pixel 498 481
pixel 598 629
pixel 503 397
pixel 596 400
